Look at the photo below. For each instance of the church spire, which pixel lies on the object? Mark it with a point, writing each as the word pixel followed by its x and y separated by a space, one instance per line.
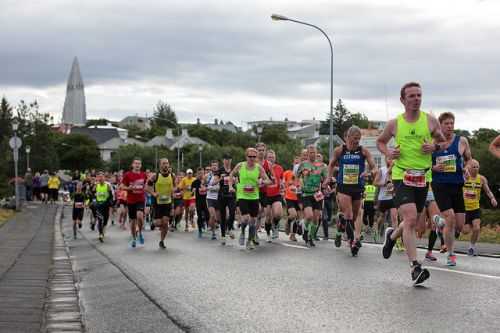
pixel 74 112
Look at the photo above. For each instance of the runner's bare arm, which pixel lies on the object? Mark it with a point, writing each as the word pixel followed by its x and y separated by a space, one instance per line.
pixel 486 189
pixel 149 188
pixel 232 175
pixel 467 154
pixel 385 137
pixel 263 175
pixel 495 147
pixel 435 129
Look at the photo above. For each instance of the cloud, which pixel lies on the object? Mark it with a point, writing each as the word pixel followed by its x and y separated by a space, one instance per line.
pixel 227 59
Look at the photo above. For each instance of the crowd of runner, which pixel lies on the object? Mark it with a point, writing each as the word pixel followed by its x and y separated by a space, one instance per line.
pixel 428 183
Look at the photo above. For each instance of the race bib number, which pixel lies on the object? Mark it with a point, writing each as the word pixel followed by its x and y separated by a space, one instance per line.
pixel 101 196
pixel 449 162
pixel 164 199
pixel 414 178
pixel 318 196
pixel 78 204
pixel 226 181
pixel 470 194
pixel 350 174
pixel 248 189
pixel 188 188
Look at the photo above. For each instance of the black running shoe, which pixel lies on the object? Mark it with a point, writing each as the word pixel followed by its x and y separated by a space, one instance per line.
pixel 92 226
pixel 311 243
pixel 338 239
pixel 305 237
pixel 162 245
pixel 419 274
pixel 79 225
pixel 388 243
pixel 355 246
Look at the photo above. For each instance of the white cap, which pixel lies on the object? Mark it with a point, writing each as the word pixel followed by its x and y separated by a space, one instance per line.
pixel 189 171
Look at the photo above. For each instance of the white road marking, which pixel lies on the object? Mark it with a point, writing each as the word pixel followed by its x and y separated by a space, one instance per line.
pixel 295 246
pixel 463 272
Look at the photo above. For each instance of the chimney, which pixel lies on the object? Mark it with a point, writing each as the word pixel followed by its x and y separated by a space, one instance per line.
pixel 168 134
pixel 185 132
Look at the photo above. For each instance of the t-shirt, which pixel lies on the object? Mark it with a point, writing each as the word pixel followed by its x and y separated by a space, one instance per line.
pixel 200 194
pixel 212 183
pixel 44 180
pixel 78 200
pixel 136 181
pixel 312 174
pixel 276 174
pixel 384 193
pixel 54 183
pixel 186 186
pixel 291 185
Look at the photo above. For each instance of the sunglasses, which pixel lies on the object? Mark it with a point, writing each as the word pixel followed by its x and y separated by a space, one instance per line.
pixel 251 156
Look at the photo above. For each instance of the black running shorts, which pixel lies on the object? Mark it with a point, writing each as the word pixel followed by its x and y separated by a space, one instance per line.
pixel 449 196
pixel 408 194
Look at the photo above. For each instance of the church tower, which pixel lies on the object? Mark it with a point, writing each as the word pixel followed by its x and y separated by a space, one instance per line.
pixel 74 112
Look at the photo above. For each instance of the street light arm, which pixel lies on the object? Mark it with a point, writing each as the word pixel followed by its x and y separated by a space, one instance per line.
pixel 315 27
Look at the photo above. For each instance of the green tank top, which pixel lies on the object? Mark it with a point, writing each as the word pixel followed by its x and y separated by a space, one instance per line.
pixel 410 137
pixel 101 192
pixel 370 192
pixel 164 187
pixel 248 187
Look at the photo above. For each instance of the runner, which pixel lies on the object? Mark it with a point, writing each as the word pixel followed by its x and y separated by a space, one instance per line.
pixel 104 198
pixel 188 198
pixel 386 196
pixel 53 185
pixel 202 212
pixel 495 147
pixel 413 131
pixel 448 180
pixel 435 223
pixel 78 208
pixel 369 205
pixel 292 184
pixel 161 186
pixel 472 194
pixel 134 182
pixel 212 180
pixel 178 203
pixel 122 205
pixel 351 158
pixel 261 159
pixel 227 199
pixel 250 173
pixel 312 174
pixel 329 191
pixel 44 186
pixel 272 193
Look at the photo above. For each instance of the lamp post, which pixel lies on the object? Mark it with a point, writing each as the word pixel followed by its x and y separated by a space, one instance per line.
pixel 200 149
pixel 277 17
pixel 259 133
pixel 16 143
pixel 28 151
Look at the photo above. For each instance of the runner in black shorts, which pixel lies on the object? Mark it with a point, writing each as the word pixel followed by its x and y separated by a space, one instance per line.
pixel 78 208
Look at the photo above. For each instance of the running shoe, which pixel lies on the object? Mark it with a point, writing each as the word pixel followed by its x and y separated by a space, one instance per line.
pixel 475 252
pixel 255 240
pixel 242 238
pixel 388 243
pixel 250 244
pixel 200 233
pixel 214 237
pixel 292 238
pixel 231 234
pixel 132 243
pixel 79 225
pixel 451 260
pixel 419 274
pixel 92 226
pixel 101 238
pixel 223 240
pixel 162 245
pixel 275 233
pixel 269 239
pixel 470 252
pixel 429 256
pixel 443 249
pixel 338 239
pixel 141 239
pixel 311 243
pixel 355 246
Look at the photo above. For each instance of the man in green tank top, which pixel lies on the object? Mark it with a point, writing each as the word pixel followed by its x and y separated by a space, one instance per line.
pixel 251 175
pixel 413 132
pixel 103 197
pixel 161 187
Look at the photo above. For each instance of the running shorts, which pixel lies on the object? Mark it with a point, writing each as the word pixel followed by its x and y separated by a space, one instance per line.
pixel 449 196
pixel 133 208
pixel 408 194
pixel 162 210
pixel 309 201
pixel 472 215
pixel 249 207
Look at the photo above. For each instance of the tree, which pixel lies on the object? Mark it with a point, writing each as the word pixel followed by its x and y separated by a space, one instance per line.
pixel 164 116
pixel 360 120
pixel 97 122
pixel 275 134
pixel 78 152
pixel 5 134
pixel 341 120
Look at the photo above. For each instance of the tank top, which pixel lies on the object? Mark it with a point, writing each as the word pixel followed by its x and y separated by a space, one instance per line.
pixel 212 194
pixel 409 137
pixel 453 164
pixel 370 192
pixel 164 187
pixel 472 193
pixel 351 166
pixel 247 188
pixel 101 192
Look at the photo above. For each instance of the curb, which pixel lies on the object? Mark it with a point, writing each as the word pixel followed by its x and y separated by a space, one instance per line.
pixel 62 308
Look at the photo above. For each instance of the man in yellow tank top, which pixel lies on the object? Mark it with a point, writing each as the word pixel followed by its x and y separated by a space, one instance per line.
pixel 413 132
pixel 472 194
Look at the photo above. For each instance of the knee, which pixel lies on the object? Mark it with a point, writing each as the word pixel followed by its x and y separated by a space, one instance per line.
pixel 410 223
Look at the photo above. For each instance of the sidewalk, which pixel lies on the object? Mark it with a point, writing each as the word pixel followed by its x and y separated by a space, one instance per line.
pixel 26 244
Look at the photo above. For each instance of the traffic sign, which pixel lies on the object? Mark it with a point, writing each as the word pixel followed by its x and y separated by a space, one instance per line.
pixel 15 142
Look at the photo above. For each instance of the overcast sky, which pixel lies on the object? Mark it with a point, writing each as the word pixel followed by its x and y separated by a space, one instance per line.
pixel 228 60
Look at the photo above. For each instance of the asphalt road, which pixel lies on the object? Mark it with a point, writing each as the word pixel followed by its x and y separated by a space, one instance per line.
pixel 201 286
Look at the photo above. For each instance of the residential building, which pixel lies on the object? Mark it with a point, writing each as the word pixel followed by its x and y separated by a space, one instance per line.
pixel 175 142
pixel 143 123
pixel 220 126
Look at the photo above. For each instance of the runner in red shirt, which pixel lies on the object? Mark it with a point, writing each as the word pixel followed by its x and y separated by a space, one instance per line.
pixel 134 183
pixel 273 195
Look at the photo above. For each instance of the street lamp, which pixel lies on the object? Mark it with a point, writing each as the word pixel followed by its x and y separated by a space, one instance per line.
pixel 15 143
pixel 277 17
pixel 200 149
pixel 259 132
pixel 28 150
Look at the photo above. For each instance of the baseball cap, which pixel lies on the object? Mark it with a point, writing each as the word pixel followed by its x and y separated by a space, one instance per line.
pixel 189 171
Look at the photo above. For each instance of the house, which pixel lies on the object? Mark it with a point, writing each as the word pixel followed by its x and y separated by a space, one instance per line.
pixel 143 123
pixel 108 138
pixel 175 142
pixel 369 141
pixel 220 126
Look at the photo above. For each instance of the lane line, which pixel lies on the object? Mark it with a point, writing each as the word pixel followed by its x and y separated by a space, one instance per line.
pixel 294 246
pixel 494 277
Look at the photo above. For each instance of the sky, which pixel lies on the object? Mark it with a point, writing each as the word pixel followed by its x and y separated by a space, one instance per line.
pixel 228 60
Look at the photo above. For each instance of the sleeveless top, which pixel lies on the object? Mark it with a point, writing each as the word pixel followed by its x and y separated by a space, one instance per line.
pixel 453 164
pixel 351 166
pixel 164 187
pixel 472 193
pixel 248 187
